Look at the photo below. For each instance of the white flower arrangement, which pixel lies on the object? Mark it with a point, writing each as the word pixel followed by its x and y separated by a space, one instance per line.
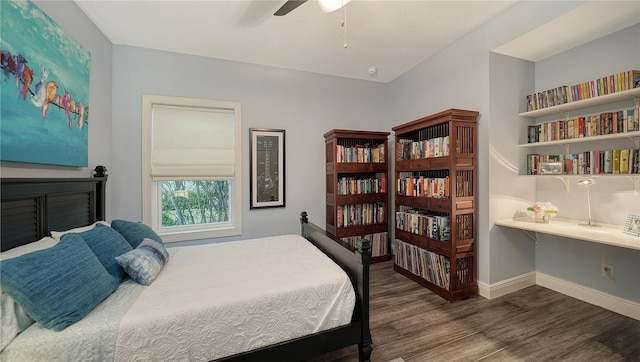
pixel 543 208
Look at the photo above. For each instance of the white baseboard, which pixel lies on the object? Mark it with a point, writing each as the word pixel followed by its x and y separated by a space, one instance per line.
pixel 506 286
pixel 607 301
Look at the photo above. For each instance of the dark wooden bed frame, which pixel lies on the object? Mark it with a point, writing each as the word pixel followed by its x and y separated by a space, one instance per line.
pixel 32 207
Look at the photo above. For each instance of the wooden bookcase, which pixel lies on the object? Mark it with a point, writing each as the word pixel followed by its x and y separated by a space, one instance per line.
pixel 436 202
pixel 357 183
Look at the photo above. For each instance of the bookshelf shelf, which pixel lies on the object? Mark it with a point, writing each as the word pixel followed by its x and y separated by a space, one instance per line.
pixel 354 199
pixel 585 103
pixel 631 135
pixel 342 167
pixel 436 236
pixel 357 160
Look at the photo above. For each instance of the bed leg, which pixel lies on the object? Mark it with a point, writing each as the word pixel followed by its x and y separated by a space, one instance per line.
pixel 364 351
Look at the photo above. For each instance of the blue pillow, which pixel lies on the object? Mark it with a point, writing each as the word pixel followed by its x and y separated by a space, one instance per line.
pixel 60 285
pixel 135 232
pixel 144 262
pixel 106 243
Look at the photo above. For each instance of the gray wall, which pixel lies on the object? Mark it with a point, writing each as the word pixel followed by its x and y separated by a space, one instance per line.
pixel 306 105
pixel 511 80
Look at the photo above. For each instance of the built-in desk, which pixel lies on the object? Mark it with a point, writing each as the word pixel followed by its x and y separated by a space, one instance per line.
pixel 604 234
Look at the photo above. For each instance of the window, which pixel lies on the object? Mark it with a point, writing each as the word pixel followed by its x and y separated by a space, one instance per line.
pixel 191 167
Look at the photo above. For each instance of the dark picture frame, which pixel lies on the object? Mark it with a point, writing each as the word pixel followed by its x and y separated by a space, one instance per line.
pixel 632 226
pixel 267 167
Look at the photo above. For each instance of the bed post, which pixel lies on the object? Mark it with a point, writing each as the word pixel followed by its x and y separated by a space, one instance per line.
pixel 101 188
pixel 363 249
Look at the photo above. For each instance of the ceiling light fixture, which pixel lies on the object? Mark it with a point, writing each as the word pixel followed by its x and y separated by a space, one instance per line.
pixel 328 6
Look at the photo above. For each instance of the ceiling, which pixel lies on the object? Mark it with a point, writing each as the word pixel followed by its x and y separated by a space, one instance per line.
pixel 388 36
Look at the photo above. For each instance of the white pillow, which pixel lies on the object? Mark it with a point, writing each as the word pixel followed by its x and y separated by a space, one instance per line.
pixel 13 319
pixel 44 243
pixel 58 234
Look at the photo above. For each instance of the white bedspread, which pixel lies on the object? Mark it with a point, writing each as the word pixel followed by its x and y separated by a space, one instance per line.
pixel 216 300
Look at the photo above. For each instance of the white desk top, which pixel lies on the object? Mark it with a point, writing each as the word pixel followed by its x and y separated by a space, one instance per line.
pixel 604 234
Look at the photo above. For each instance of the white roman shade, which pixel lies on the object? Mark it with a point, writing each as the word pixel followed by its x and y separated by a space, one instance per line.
pixel 192 143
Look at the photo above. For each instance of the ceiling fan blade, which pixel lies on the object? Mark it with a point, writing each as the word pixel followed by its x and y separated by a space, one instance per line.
pixel 288 7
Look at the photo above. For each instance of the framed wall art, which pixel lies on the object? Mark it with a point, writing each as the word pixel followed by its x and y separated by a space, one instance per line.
pixel 632 226
pixel 45 89
pixel 266 161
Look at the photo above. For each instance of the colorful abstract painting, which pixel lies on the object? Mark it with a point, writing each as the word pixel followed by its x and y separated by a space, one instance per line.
pixel 44 94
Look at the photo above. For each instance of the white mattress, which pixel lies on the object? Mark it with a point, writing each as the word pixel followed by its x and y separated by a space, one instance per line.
pixel 208 302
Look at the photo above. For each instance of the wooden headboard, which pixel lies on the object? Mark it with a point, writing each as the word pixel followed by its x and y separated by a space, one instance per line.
pixel 32 207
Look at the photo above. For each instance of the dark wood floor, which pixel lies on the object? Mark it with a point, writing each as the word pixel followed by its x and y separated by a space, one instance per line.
pixel 533 324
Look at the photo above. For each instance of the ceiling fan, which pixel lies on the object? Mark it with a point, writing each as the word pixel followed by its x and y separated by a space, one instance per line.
pixel 326 6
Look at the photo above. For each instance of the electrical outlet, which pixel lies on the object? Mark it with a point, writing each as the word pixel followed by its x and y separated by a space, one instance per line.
pixel 607 271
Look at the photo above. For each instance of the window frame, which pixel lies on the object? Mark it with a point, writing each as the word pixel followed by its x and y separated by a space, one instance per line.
pixel 152 192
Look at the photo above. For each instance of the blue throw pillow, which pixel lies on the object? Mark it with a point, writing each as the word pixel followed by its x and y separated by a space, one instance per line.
pixel 60 285
pixel 135 232
pixel 144 262
pixel 106 243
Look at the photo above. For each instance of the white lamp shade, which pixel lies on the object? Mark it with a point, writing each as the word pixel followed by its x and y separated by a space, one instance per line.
pixel 586 181
pixel 328 6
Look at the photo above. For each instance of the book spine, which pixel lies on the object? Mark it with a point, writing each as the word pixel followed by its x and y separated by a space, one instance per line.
pixel 615 162
pixel 624 161
pixel 608 161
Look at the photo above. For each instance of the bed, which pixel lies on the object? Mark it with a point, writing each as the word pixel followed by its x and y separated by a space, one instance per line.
pixel 32 208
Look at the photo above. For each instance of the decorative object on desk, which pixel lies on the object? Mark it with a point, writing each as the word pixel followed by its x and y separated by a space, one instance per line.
pixel 550 168
pixel 588 182
pixel 266 158
pixel 632 226
pixel 543 211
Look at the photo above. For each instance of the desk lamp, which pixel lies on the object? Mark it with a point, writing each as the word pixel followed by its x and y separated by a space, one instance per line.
pixel 588 182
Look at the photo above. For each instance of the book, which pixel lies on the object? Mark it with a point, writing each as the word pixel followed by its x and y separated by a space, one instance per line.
pixel 608 161
pixel 629 117
pixel 571 129
pixel 581 164
pixel 634 76
pixel 569 162
pixel 594 122
pixel 624 160
pixel 615 160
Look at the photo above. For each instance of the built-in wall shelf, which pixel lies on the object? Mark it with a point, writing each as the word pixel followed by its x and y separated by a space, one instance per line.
pixel 631 135
pixel 585 103
pixel 603 234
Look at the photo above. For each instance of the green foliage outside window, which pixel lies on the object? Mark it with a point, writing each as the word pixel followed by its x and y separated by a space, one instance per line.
pixel 195 202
